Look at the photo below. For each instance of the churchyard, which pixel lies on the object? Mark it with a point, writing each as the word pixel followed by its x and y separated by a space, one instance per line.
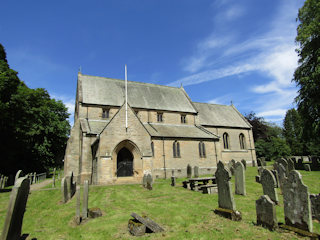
pixel 184 214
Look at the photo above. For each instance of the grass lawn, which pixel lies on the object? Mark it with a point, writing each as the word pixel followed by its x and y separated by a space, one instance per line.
pixel 184 214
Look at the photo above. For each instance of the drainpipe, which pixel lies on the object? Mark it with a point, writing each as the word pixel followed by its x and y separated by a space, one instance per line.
pixel 164 160
pixel 215 149
pixel 250 145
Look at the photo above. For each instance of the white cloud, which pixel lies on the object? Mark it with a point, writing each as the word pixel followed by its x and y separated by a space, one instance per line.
pixel 274 112
pixel 69 102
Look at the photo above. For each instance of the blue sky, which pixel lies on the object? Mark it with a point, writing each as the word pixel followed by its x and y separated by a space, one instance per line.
pixel 220 51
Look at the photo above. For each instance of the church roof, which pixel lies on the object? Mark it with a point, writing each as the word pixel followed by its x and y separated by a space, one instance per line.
pixel 107 91
pixel 92 126
pixel 178 131
pixel 220 115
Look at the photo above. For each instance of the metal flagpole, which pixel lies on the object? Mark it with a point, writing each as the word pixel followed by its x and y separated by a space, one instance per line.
pixel 126 97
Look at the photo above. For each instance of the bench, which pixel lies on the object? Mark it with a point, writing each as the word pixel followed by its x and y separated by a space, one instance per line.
pixel 209 188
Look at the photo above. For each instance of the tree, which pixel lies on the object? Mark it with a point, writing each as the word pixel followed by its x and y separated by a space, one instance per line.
pixel 307 75
pixel 259 128
pixel 34 128
pixel 293 128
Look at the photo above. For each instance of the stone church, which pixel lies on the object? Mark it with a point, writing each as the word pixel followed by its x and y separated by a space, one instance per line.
pixel 159 130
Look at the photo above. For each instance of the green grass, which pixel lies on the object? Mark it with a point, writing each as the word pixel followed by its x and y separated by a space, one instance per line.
pixel 183 213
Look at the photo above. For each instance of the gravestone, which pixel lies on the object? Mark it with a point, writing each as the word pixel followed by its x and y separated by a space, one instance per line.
pixel 189 171
pixel 16 209
pixel 1 181
pixel 78 217
pixel 284 163
pixel 315 206
pixel 263 161
pixel 136 228
pixel 266 213
pixel 153 226
pixel 71 185
pixel 18 175
pixel 240 179
pixel 281 173
pixel 64 190
pixel 259 164
pixel 253 163
pixel 268 183
pixel 297 207
pixel 196 171
pixel 315 163
pixel 307 167
pixel 276 177
pixel 290 165
pixel 173 181
pixel 300 164
pixel 34 178
pixel 149 182
pixel 85 199
pixel 144 181
pixel 244 162
pixel 227 207
pixel 54 178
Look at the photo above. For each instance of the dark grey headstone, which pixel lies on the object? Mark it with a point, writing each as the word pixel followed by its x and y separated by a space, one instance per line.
pixel 284 162
pixel 268 183
pixel 225 197
pixel 189 171
pixel 85 199
pixel 240 179
pixel 259 164
pixel 253 163
pixel 144 181
pixel 290 165
pixel 149 182
pixel 315 206
pixel 136 228
pixel 307 167
pixel 64 190
pixel 173 181
pixel 54 178
pixel 17 205
pixel 266 213
pixel 297 207
pixel 276 177
pixel 196 171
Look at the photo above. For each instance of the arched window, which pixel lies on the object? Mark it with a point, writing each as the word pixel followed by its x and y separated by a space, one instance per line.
pixel 226 141
pixel 202 150
pixel 152 149
pixel 242 141
pixel 176 149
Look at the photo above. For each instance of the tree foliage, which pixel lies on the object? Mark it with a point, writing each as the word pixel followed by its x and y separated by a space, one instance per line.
pixel 33 126
pixel 307 75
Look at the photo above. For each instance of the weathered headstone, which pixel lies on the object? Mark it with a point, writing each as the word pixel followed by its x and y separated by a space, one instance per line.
pixel 189 171
pixel 276 177
pixel 263 161
pixel 153 226
pixel 244 162
pixel 54 178
pixel 64 190
pixel 266 213
pixel 315 206
pixel 136 228
pixel 259 164
pixel 253 163
pixel 281 173
pixel 268 183
pixel 78 217
pixel 173 181
pixel 149 182
pixel 315 163
pixel 17 205
pixel 284 163
pixel 307 167
pixel 144 181
pixel 227 207
pixel 1 181
pixel 34 178
pixel 300 164
pixel 196 171
pixel 18 175
pixel 240 179
pixel 85 199
pixel 297 207
pixel 290 165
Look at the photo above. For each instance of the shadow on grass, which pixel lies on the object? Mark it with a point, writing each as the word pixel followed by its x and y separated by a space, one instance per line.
pixel 5 190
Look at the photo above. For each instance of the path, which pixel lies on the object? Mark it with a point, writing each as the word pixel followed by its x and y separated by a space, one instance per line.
pixel 38 186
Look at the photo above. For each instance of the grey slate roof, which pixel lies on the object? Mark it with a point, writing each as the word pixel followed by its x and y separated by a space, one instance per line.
pixel 178 131
pixel 220 115
pixel 92 126
pixel 107 91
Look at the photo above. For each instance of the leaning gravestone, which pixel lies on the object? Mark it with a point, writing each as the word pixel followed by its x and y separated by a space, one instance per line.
pixel 266 213
pixel 227 207
pixel 64 190
pixel 240 180
pixel 17 205
pixel 315 206
pixel 196 171
pixel 189 171
pixel 297 207
pixel 144 181
pixel 85 199
pixel 244 162
pixel 18 175
pixel 138 230
pixel 268 183
pixel 149 182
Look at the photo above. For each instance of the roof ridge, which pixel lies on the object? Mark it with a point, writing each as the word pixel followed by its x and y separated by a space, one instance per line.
pixel 121 80
pixel 213 104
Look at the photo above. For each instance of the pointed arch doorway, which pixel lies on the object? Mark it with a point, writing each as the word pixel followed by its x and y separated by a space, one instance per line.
pixel 124 163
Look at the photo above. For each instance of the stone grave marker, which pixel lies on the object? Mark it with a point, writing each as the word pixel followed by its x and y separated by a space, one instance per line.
pixel 189 171
pixel 78 217
pixel 240 179
pixel 284 162
pixel 149 182
pixel 173 181
pixel 263 161
pixel 315 206
pixel 297 207
pixel 54 178
pixel 1 181
pixel 196 171
pixel 276 177
pixel 144 181
pixel 307 167
pixel 18 175
pixel 259 162
pixel 290 165
pixel 153 226
pixel 266 213
pixel 253 163
pixel 244 162
pixel 281 173
pixel 227 207
pixel 17 205
pixel 64 190
pixel 268 183
pixel 299 165
pixel 85 199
